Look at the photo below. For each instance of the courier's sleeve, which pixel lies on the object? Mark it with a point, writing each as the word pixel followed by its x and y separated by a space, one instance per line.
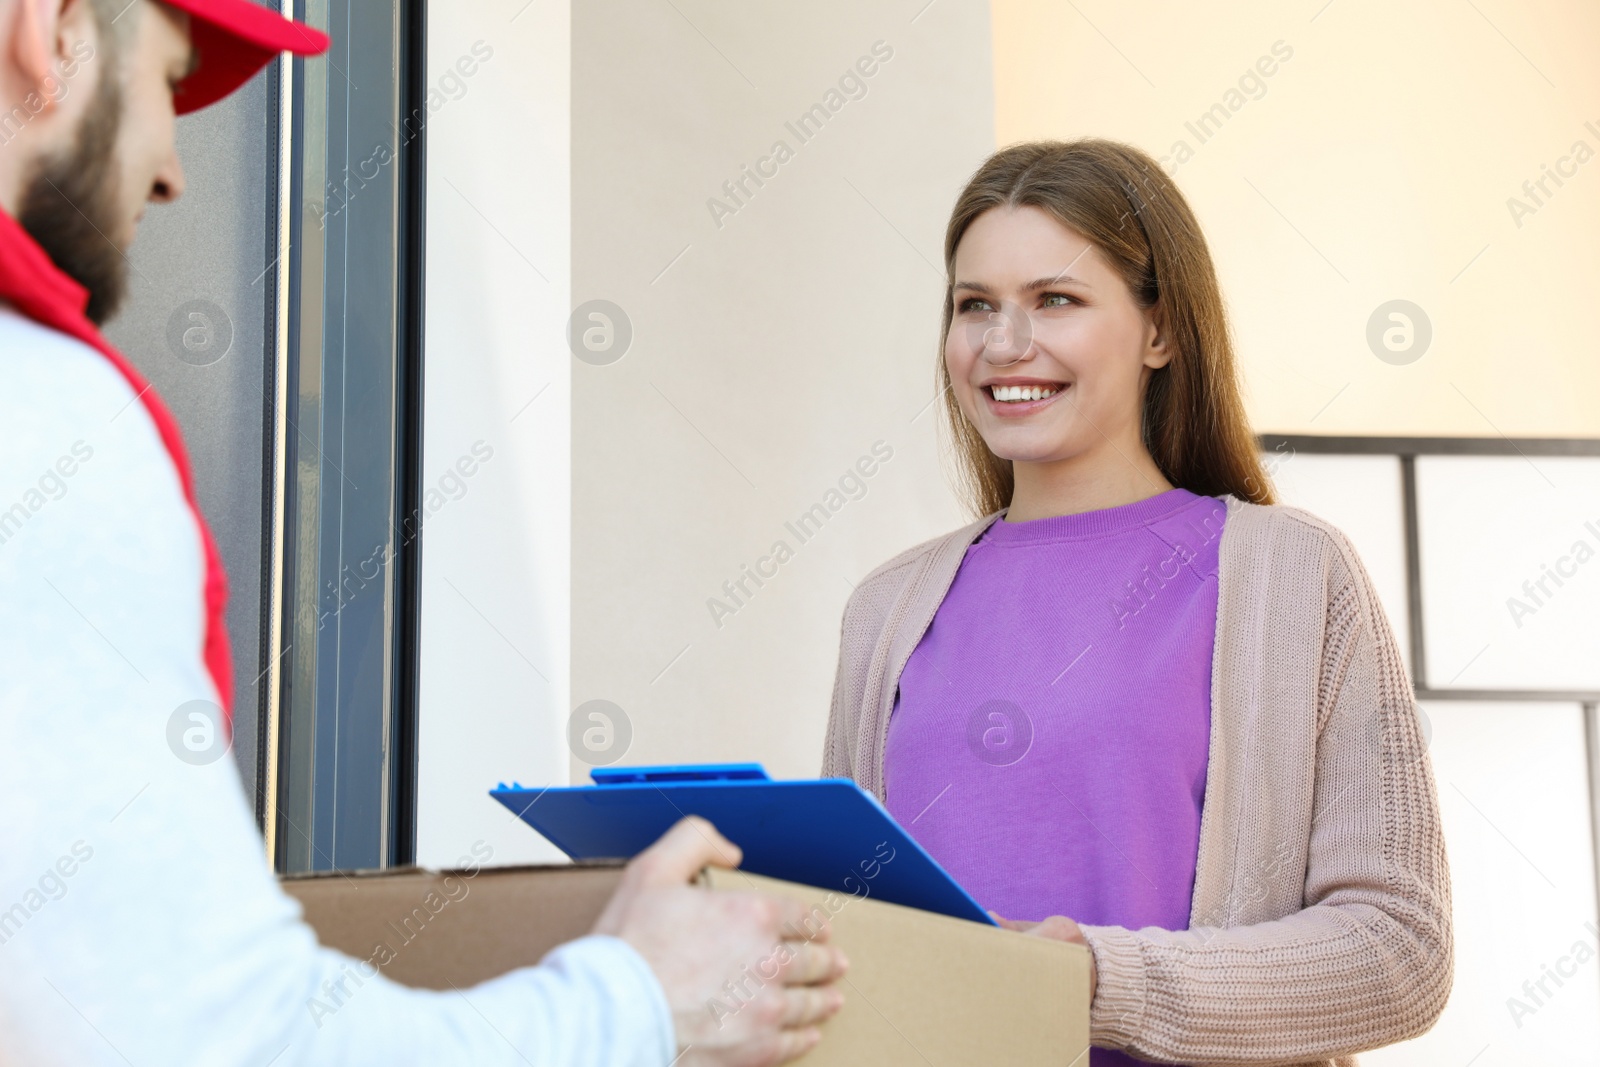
pixel 1368 961
pixel 139 922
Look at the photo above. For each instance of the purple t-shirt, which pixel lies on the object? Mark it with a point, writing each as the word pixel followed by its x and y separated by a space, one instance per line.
pixel 1049 738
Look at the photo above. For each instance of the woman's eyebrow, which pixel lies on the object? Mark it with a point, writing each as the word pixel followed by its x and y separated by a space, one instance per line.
pixel 1031 287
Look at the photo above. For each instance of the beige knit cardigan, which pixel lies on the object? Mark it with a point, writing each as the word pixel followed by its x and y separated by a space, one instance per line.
pixel 1320 924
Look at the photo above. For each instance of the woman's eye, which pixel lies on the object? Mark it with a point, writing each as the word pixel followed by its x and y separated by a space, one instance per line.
pixel 974 304
pixel 1049 299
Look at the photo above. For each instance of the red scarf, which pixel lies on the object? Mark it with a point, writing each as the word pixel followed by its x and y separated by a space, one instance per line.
pixel 37 288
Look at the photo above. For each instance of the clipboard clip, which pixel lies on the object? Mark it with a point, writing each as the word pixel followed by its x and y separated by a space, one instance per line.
pixel 699 772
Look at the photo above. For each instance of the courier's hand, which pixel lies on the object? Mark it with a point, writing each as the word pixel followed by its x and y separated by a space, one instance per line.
pixel 697 940
pixel 1056 928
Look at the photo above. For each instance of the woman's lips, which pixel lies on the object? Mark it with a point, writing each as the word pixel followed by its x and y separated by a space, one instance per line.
pixel 1016 409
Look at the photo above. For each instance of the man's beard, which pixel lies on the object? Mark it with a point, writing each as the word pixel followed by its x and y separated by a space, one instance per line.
pixel 70 204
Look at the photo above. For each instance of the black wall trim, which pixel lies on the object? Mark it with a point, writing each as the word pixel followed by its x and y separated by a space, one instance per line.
pixel 1408 490
pixel 1433 446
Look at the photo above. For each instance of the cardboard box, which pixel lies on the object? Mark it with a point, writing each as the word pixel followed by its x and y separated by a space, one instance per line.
pixel 922 990
pixel 435 929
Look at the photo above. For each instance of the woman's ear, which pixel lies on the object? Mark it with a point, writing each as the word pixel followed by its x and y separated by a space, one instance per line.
pixel 1157 347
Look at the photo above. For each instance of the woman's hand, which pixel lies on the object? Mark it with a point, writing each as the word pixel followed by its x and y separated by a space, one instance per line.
pixel 1056 928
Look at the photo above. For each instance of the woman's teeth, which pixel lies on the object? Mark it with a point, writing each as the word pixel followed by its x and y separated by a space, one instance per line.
pixel 1012 394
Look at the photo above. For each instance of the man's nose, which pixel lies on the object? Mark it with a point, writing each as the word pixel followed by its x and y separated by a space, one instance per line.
pixel 168 183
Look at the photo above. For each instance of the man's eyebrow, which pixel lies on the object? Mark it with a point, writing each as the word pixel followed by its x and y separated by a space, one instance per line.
pixel 1032 287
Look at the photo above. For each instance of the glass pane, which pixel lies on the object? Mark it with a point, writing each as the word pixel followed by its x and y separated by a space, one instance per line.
pixel 344 692
pixel 1514 792
pixel 1511 570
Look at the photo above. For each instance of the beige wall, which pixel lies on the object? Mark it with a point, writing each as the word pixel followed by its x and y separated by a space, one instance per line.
pixel 769 353
pixel 1375 163
pixel 779 336
pixel 494 686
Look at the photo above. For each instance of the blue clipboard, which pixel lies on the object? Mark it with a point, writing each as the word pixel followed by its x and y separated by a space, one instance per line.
pixel 827 833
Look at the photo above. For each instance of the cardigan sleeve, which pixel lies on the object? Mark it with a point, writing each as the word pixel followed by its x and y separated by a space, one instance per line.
pixel 835 751
pixel 862 628
pixel 1369 959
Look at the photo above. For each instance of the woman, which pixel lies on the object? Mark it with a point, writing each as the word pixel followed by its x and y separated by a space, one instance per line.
pixel 1138 705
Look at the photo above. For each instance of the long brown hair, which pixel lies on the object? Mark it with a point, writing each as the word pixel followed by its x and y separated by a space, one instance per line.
pixel 1116 196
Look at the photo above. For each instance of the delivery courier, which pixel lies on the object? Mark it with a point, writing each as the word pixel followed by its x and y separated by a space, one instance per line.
pixel 139 922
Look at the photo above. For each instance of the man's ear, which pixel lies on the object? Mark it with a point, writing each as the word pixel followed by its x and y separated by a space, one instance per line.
pixel 38 40
pixel 32 38
pixel 1158 342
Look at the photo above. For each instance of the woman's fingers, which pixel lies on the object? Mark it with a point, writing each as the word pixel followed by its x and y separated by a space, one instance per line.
pixel 1057 928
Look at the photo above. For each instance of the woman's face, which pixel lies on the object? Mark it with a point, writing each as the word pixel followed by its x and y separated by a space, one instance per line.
pixel 1048 353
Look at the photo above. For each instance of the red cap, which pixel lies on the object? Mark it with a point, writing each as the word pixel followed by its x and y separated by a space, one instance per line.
pixel 233 39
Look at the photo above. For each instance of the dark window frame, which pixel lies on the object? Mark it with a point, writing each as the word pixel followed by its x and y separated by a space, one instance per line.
pixel 343 745
pixel 1406 450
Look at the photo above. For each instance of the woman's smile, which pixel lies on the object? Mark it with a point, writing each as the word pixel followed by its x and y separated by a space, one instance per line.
pixel 1022 397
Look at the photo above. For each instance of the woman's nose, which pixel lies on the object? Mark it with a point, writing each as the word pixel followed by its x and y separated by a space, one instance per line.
pixel 1004 336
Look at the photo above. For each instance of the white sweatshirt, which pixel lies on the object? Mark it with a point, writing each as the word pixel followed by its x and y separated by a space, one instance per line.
pixel 139 922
